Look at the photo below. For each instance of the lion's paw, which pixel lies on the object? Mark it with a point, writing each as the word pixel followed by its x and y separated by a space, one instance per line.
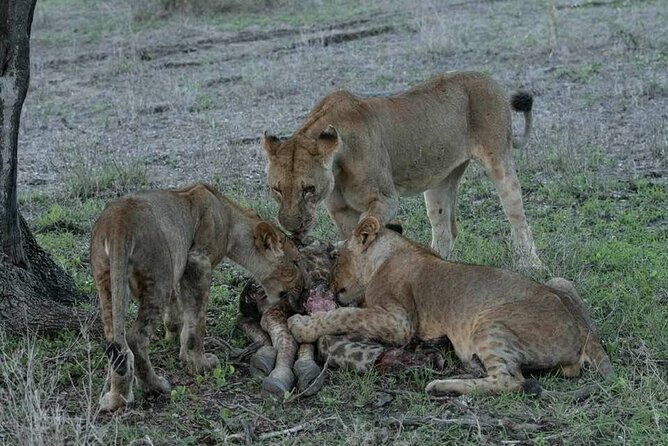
pixel 112 401
pixel 302 328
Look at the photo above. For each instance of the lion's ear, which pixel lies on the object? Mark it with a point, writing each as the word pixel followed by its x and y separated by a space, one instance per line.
pixel 328 141
pixel 270 143
pixel 268 239
pixel 366 231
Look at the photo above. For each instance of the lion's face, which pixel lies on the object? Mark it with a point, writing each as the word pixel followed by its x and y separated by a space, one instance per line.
pixel 347 280
pixel 353 266
pixel 284 278
pixel 299 174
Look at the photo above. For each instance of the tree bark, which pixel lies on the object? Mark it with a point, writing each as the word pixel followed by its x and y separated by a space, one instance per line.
pixel 15 23
pixel 35 293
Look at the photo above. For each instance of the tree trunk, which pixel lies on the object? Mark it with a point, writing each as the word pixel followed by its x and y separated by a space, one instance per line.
pixel 39 299
pixel 15 23
pixel 34 291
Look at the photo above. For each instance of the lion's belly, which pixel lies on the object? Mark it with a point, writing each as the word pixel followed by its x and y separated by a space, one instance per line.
pixel 417 170
pixel 412 185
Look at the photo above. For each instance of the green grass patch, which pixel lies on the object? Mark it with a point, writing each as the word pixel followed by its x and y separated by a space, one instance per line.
pixel 607 235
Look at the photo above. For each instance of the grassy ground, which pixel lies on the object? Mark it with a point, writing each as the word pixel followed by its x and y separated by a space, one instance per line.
pixel 120 102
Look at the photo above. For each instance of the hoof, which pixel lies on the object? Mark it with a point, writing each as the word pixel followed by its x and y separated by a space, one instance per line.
pixel 274 387
pixel 278 383
pixel 262 362
pixel 309 377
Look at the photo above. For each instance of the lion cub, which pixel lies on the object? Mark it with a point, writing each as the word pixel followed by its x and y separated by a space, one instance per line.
pixel 160 248
pixel 508 321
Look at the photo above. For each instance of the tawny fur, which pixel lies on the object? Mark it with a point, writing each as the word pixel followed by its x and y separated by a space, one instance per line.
pixel 359 154
pixel 159 247
pixel 407 291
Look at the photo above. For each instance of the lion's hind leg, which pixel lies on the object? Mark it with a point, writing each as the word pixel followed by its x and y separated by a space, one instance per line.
pixel 501 169
pixel 501 377
pixel 121 376
pixel 441 202
pixel 172 318
pixel 153 297
pixel 500 353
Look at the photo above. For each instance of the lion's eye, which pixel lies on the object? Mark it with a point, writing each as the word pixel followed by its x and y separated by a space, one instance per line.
pixel 308 190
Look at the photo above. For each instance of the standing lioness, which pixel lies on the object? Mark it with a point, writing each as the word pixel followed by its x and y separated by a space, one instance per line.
pixel 358 154
pixel 507 321
pixel 160 247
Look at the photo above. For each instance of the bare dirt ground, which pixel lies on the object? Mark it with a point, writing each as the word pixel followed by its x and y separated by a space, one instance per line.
pixel 186 99
pixel 190 100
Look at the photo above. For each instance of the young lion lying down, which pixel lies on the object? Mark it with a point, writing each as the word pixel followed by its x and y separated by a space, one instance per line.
pixel 507 321
pixel 160 247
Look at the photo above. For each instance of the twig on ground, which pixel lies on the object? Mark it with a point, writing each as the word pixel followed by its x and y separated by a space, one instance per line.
pixel 473 421
pixel 252 412
pixel 238 354
pixel 273 434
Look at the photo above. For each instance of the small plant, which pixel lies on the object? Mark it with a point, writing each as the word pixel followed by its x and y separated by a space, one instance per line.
pixel 583 73
pixel 178 394
pixel 219 376
pixel 203 102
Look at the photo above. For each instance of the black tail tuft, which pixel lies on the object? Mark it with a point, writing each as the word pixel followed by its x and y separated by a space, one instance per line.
pixel 395 225
pixel 521 101
pixel 532 387
pixel 117 357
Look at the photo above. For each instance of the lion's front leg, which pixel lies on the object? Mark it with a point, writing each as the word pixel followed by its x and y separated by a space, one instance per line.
pixel 384 207
pixel 389 325
pixel 193 297
pixel 343 215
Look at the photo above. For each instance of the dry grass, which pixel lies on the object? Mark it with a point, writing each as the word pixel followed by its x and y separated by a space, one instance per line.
pixel 436 36
pixel 153 9
pixel 32 407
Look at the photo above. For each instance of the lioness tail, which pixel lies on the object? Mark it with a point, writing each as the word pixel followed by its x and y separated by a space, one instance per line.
pixel 522 101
